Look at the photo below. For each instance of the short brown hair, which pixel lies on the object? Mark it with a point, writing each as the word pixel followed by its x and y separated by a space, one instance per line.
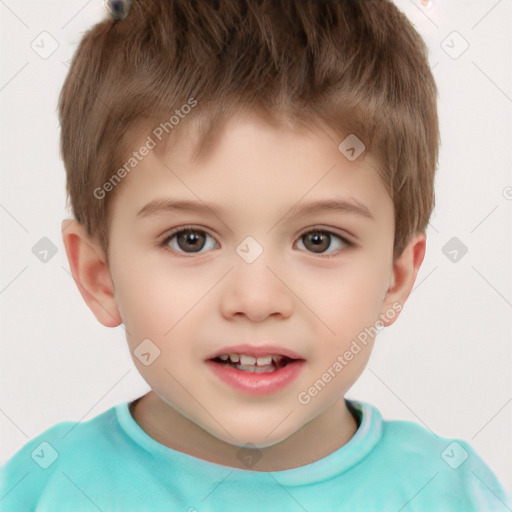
pixel 357 66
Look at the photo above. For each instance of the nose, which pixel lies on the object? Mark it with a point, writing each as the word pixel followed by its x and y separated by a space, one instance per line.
pixel 257 290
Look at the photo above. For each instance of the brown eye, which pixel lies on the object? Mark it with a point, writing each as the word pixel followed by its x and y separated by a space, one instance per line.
pixel 190 239
pixel 187 241
pixel 318 241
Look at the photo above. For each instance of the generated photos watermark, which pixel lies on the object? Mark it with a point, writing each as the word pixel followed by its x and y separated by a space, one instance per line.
pixel 150 143
pixel 305 397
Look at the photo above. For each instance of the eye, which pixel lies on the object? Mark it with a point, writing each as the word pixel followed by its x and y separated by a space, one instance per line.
pixel 319 240
pixel 188 240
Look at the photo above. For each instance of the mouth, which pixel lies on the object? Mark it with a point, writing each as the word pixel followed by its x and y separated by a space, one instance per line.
pixel 259 372
pixel 261 364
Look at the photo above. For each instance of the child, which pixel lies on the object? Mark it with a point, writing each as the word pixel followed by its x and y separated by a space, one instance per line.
pixel 293 145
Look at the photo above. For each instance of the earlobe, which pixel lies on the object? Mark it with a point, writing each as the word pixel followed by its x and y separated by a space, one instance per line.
pixel 90 272
pixel 405 270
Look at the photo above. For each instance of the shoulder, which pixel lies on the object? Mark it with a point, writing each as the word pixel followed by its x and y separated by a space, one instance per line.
pixel 447 469
pixel 44 461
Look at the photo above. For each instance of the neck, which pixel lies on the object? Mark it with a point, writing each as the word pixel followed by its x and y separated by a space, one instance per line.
pixel 323 435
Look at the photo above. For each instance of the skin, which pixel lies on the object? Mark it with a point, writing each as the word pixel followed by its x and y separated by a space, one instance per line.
pixel 192 303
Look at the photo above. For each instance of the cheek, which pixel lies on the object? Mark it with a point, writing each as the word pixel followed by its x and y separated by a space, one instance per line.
pixel 146 305
pixel 147 294
pixel 162 304
pixel 347 299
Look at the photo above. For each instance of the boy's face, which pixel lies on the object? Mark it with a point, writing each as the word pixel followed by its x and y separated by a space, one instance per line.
pixel 197 297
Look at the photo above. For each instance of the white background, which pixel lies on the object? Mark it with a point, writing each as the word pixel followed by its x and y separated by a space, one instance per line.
pixel 445 364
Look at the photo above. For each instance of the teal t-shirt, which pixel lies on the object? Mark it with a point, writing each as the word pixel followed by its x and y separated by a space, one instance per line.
pixel 110 463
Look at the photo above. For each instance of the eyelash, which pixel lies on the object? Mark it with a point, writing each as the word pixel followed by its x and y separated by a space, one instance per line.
pixel 164 243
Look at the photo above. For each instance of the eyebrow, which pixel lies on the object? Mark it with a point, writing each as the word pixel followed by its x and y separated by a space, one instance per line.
pixel 338 204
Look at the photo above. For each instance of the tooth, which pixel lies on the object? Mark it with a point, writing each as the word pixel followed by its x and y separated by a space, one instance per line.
pixel 234 358
pixel 224 357
pixel 255 369
pixel 277 359
pixel 247 360
pixel 264 361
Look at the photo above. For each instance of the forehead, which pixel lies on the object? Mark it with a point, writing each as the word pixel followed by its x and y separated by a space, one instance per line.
pixel 253 163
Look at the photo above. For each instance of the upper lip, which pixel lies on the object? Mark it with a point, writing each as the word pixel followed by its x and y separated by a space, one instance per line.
pixel 256 351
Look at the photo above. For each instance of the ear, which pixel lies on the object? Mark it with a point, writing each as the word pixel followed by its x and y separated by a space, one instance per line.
pixel 90 272
pixel 405 270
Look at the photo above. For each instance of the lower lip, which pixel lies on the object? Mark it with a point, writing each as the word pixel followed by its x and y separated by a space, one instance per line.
pixel 258 384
